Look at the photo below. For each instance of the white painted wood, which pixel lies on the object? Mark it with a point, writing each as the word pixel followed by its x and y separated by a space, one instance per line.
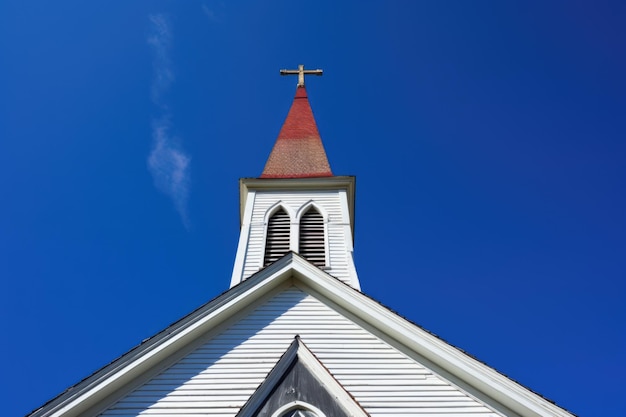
pixel 332 203
pixel 230 327
pixel 298 404
pixel 218 377
pixel 242 247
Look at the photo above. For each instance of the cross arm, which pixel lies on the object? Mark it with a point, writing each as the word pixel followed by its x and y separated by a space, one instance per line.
pixel 301 72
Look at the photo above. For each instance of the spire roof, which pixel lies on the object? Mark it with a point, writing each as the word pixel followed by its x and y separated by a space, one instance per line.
pixel 298 151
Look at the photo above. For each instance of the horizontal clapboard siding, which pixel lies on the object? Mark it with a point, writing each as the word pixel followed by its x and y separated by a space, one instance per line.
pixel 329 201
pixel 217 378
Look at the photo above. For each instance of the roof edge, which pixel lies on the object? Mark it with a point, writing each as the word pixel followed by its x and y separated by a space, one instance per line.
pixel 413 340
pixel 456 363
pixel 95 388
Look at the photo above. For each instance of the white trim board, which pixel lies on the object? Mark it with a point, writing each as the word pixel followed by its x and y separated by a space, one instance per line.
pixel 494 389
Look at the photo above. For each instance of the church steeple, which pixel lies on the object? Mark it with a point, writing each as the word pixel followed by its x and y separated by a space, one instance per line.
pixel 298 151
pixel 297 205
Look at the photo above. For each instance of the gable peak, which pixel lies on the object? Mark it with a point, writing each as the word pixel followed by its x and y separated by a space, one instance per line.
pixel 300 385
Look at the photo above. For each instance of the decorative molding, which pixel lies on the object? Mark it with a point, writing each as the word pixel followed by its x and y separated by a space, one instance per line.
pixel 298 404
pixel 305 207
pixel 346 183
pixel 277 206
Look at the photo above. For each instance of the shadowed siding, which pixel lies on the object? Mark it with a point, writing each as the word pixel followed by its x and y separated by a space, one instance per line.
pixel 217 378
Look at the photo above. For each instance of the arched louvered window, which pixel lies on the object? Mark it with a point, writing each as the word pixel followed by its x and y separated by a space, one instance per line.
pixel 277 241
pixel 312 237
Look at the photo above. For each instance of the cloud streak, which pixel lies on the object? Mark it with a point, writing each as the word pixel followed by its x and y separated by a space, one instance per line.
pixel 208 12
pixel 167 162
pixel 160 40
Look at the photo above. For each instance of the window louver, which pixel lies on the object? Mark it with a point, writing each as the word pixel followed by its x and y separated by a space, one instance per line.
pixel 277 243
pixel 312 238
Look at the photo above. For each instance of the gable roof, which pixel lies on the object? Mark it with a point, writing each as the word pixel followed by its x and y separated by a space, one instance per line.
pixel 298 151
pixel 476 378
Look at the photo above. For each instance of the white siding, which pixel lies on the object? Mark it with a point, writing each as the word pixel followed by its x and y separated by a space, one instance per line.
pixel 339 239
pixel 217 378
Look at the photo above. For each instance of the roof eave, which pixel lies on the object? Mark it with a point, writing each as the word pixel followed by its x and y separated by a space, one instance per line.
pixel 480 380
pixel 94 390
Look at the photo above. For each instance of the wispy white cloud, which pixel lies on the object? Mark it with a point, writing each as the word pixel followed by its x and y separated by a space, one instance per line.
pixel 160 40
pixel 208 12
pixel 169 166
pixel 168 162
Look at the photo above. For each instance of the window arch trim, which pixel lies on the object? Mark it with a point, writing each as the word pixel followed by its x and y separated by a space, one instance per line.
pixel 295 405
pixel 274 208
pixel 306 206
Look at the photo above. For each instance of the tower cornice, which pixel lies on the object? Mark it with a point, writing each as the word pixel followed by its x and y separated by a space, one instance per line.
pixel 346 182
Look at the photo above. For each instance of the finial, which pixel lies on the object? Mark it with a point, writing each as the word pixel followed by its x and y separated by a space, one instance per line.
pixel 301 73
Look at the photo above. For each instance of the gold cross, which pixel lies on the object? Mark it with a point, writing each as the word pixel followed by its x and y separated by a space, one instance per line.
pixel 301 73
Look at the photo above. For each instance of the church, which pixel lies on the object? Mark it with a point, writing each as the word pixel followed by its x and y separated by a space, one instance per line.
pixel 294 335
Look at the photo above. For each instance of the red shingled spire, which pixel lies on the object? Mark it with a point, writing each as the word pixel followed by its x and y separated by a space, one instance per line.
pixel 298 151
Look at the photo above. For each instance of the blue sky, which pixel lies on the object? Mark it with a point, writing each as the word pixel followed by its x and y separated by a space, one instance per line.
pixel 487 138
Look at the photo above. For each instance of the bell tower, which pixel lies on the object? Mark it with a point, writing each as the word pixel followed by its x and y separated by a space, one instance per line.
pixel 297 204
